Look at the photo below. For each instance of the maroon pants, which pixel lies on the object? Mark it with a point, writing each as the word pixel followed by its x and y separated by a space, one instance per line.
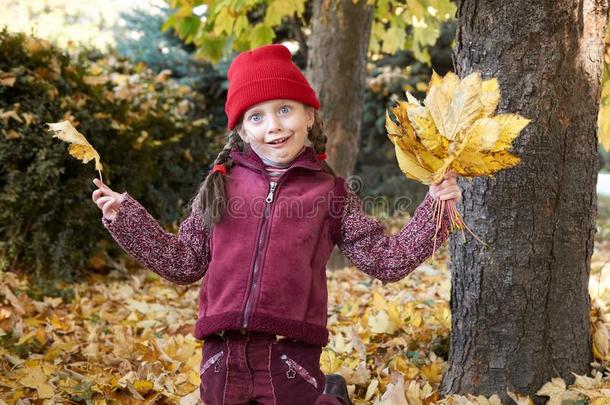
pixel 255 368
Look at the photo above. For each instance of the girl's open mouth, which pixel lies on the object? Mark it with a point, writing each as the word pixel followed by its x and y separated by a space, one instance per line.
pixel 279 141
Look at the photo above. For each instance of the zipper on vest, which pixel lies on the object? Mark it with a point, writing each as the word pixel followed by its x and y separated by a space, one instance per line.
pixel 260 245
pixel 272 186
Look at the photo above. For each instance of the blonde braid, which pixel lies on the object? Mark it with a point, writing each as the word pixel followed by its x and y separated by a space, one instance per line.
pixel 316 134
pixel 210 200
pixel 318 140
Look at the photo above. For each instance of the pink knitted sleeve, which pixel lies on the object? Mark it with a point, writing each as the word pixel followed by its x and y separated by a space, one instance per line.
pixel 388 257
pixel 181 258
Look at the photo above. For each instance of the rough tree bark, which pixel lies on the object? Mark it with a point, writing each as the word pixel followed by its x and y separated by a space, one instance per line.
pixel 336 67
pixel 521 307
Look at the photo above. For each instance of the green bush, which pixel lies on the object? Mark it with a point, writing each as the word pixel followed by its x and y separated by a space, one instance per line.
pixel 156 139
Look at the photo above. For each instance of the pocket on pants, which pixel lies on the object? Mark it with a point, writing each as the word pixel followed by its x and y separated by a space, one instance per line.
pixel 213 371
pixel 295 368
pixel 215 360
pixel 295 371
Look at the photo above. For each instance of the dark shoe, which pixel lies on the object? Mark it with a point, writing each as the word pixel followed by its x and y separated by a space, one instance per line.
pixel 336 385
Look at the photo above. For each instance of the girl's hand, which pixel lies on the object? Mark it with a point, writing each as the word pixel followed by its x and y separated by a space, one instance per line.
pixel 107 200
pixel 447 189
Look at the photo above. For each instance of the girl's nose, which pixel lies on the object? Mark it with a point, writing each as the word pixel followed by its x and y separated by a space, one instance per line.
pixel 275 125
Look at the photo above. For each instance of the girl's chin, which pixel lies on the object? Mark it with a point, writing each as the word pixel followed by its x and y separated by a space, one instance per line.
pixel 280 155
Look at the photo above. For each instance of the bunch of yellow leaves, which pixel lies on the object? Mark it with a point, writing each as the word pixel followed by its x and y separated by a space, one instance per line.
pixel 79 147
pixel 455 129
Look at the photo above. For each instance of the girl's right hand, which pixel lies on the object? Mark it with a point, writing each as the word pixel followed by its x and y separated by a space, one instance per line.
pixel 107 200
pixel 447 189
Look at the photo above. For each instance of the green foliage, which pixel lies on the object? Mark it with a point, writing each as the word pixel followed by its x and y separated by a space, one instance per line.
pixel 415 26
pixel 202 77
pixel 140 39
pixel 156 139
pixel 227 25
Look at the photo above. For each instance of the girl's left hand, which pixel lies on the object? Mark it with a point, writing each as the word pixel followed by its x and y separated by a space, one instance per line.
pixel 447 189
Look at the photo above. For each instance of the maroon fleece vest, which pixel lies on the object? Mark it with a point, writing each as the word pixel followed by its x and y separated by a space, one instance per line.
pixel 267 269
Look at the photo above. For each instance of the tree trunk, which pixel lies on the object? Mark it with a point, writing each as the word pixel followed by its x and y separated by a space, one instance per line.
pixel 336 67
pixel 521 307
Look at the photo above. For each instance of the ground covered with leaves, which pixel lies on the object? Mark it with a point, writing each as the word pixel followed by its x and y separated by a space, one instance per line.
pixel 126 338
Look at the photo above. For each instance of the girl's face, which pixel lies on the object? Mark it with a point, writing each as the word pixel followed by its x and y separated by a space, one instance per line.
pixel 282 120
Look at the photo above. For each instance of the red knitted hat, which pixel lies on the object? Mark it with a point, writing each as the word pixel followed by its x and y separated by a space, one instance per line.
pixel 262 74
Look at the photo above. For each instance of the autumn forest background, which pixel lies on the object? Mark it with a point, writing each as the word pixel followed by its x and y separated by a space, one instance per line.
pixel 524 321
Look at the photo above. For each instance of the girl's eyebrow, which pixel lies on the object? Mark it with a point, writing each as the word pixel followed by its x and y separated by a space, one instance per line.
pixel 279 105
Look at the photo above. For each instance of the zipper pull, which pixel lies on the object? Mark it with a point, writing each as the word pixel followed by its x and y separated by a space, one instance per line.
pixel 218 364
pixel 269 198
pixel 291 373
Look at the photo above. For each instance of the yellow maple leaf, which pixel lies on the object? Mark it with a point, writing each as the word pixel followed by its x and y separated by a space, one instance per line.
pixel 192 398
pixel 60 325
pixel 520 399
pixel 35 378
pixel 414 159
pixel 143 386
pixel 588 385
pixel 372 388
pixel 454 129
pixel 394 394
pixel 381 323
pixel 329 363
pixel 427 132
pixel 79 147
pixel 490 96
pixel 413 393
pixel 433 371
pixel 405 368
pixel 359 374
pixel 435 79
pixel 457 106
pixel 554 389
pixel 7 79
pixel 601 338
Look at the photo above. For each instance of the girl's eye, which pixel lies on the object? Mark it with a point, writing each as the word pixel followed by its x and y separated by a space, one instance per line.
pixel 285 109
pixel 255 117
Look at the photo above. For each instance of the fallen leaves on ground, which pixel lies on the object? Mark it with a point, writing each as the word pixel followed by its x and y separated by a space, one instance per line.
pixel 120 339
pixel 128 340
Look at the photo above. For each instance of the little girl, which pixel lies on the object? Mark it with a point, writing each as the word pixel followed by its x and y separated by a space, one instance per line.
pixel 260 232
